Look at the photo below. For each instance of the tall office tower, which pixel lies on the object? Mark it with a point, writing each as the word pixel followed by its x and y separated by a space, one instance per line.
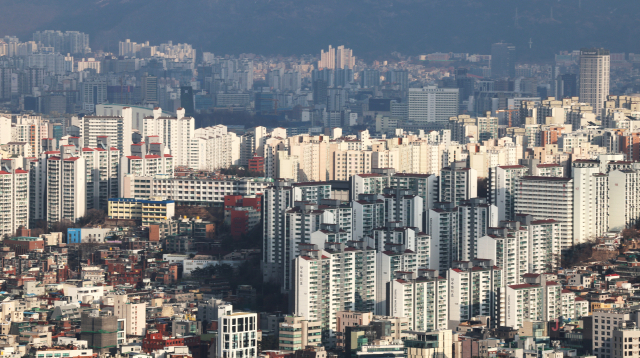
pixel 93 93
pixel 502 186
pixel 117 128
pixel 320 92
pixel 567 85
pixel 473 290
pixel 14 202
pixel 432 104
pixel 345 58
pixel 624 210
pixel 590 201
pixel 337 278
pixel 594 77
pixel 458 183
pixel 422 297
pixel 547 198
pixel 149 89
pixel 503 60
pixel 277 199
pixel 187 100
pixel 475 217
pixel 327 59
pixel 369 78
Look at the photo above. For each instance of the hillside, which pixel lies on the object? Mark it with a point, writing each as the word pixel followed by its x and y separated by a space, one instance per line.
pixel 371 27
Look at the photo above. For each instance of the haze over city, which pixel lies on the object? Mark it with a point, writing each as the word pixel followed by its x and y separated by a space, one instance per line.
pixel 304 179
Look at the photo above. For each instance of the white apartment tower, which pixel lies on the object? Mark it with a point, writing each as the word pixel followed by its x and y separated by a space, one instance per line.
pixel 177 133
pixel 458 183
pixel 473 290
pixel 118 128
pixel 66 184
pixel 547 198
pixel 594 77
pixel 624 208
pixel 502 181
pixel 338 278
pixel 14 202
pixel 590 201
pixel 422 297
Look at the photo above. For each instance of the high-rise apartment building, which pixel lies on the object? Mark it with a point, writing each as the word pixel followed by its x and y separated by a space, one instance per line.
pixel 177 133
pixel 458 183
pixel 547 198
pixel 340 58
pixel 277 199
pixel 624 210
pixel 66 186
pixel 432 104
pixel 117 128
pixel 594 77
pixel 503 60
pixel 502 186
pixel 338 278
pixel 14 201
pixel 422 297
pixel 473 290
pixel 590 201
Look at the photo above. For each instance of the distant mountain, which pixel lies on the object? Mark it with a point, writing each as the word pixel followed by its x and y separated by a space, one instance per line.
pixel 373 28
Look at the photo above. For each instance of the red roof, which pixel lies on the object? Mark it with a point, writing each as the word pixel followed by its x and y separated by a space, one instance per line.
pixel 133 157
pixel 87 150
pixel 151 156
pixel 168 156
pixel 72 159
pixel 21 171
pixel 524 285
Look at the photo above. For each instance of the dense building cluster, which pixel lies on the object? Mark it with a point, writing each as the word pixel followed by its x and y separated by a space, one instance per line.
pixel 163 203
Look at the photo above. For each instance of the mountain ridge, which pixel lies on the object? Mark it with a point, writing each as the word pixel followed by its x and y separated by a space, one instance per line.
pixel 373 28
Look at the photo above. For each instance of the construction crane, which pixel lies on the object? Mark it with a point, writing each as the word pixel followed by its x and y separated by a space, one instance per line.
pixel 510 111
pixel 275 104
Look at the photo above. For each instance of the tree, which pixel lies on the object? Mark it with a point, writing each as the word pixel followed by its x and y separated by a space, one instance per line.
pixel 92 217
